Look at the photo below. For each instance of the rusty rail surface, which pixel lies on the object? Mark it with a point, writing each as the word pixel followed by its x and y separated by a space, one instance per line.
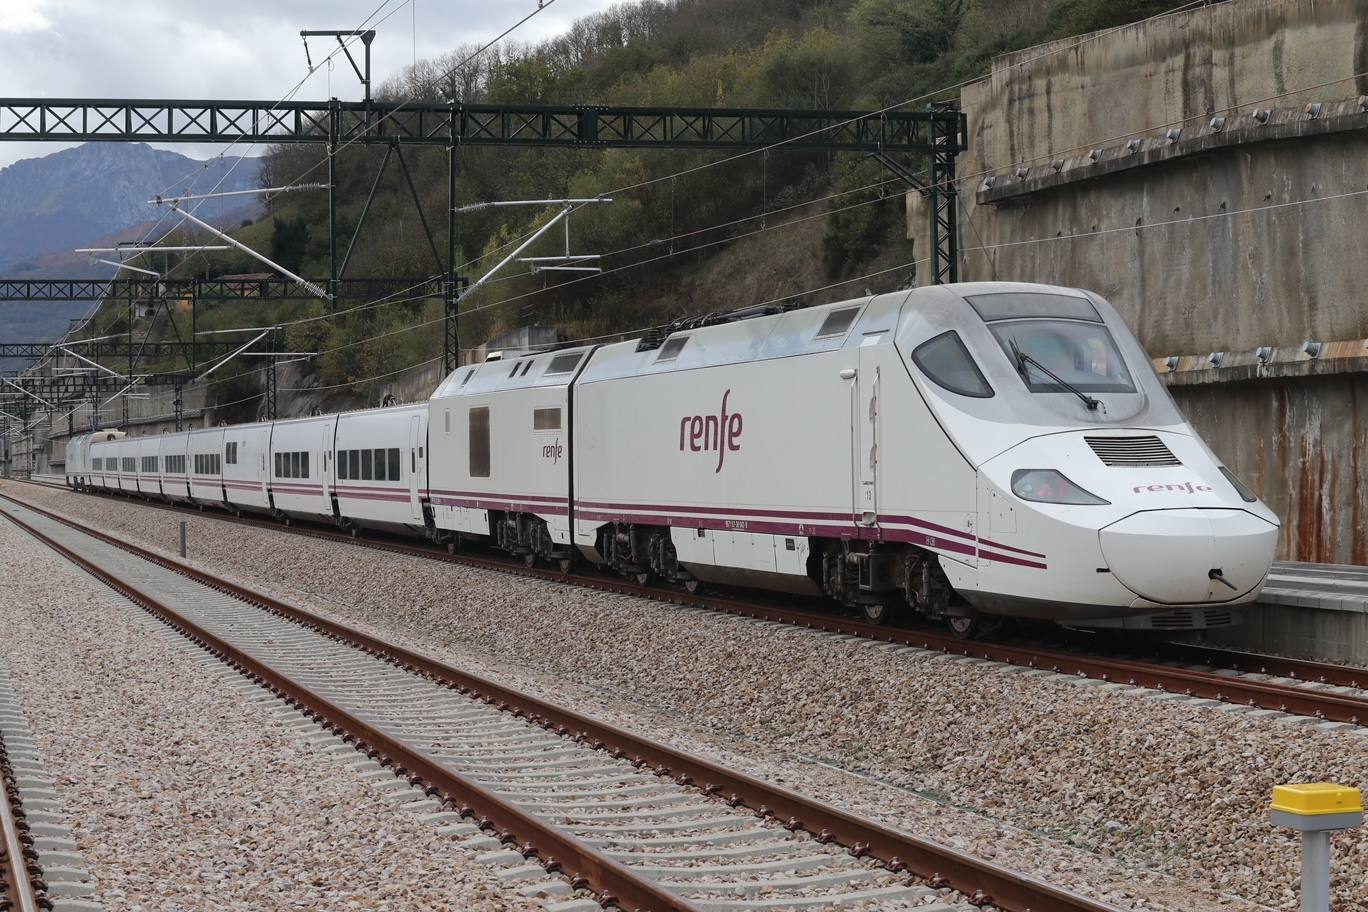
pixel 981 880
pixel 1264 695
pixel 21 891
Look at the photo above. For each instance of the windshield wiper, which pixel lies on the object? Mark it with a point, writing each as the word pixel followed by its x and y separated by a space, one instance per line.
pixel 1022 359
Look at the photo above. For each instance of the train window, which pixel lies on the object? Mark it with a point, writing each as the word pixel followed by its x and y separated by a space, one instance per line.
pixel 394 471
pixel 304 465
pixel 342 466
pixel 838 322
pixel 95 463
pixel 230 453
pixel 466 379
pixel 278 473
pixel 546 419
pixel 366 472
pixel 948 364
pixel 564 364
pixel 479 442
pixel 379 465
pixel 672 347
pixel 1013 305
pixel 294 465
pixel 353 464
pixel 1082 355
pixel 514 371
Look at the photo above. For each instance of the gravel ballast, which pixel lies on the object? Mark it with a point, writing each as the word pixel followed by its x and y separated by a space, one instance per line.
pixel 187 794
pixel 1147 803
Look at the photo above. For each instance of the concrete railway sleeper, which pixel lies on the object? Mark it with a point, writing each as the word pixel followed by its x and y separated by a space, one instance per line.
pixel 1303 689
pixel 642 825
pixel 21 885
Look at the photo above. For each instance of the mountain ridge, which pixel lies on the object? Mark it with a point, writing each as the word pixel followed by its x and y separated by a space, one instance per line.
pixel 50 204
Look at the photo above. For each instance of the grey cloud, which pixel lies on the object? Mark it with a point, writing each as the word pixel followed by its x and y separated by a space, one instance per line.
pixel 246 49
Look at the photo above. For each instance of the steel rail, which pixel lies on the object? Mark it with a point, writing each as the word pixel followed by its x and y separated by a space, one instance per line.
pixel 614 882
pixel 1281 666
pixel 1293 699
pixel 983 881
pixel 20 890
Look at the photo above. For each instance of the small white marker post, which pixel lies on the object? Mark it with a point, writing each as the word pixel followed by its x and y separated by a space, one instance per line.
pixel 1316 809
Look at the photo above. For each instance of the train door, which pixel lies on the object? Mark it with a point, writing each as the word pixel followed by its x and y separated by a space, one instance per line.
pixel 325 466
pixel 866 426
pixel 415 466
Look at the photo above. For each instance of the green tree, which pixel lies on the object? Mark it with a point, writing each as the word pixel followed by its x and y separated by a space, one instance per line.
pixel 289 241
pixel 898 32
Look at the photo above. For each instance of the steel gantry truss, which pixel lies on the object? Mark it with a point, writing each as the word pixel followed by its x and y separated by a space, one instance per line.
pixel 229 288
pixel 938 134
pixel 435 124
pixel 190 351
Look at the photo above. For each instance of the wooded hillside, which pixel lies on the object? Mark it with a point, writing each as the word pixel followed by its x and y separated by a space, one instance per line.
pixel 759 227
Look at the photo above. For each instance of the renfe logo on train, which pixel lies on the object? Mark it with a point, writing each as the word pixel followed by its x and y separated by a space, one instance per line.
pixel 705 433
pixel 553 451
pixel 1187 487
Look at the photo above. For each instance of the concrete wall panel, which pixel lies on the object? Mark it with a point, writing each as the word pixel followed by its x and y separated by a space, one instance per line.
pixel 1299 443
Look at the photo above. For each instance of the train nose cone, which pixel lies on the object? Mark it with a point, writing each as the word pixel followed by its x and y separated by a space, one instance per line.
pixel 1179 557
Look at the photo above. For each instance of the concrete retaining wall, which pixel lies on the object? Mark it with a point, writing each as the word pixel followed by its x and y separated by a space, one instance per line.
pixel 1223 238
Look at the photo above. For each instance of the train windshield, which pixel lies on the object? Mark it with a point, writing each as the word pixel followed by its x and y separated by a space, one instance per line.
pixel 1058 356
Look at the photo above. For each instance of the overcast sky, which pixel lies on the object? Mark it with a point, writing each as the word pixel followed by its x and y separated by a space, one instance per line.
pixel 231 49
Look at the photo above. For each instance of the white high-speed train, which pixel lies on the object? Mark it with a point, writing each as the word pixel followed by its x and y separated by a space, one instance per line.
pixel 971 451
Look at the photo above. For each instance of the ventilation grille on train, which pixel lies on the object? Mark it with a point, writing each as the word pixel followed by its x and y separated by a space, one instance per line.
pixel 1183 619
pixel 1132 451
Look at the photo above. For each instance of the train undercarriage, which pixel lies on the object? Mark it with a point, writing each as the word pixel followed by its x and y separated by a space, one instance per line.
pixel 882 582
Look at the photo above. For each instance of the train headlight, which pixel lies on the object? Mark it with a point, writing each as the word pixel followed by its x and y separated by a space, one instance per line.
pixel 1049 486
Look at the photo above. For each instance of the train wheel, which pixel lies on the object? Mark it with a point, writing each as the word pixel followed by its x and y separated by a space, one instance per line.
pixel 355 531
pixel 565 564
pixel 877 613
pixel 693 586
pixel 451 546
pixel 645 578
pixel 966 628
pixel 529 560
pixel 974 627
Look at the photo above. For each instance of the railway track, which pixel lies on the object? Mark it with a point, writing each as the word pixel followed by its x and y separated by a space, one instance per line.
pixel 1333 693
pixel 21 889
pixel 640 824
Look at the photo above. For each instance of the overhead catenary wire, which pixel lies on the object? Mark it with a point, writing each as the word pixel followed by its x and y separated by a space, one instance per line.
pixel 204 166
pixel 763 214
pixel 764 149
pixel 542 5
